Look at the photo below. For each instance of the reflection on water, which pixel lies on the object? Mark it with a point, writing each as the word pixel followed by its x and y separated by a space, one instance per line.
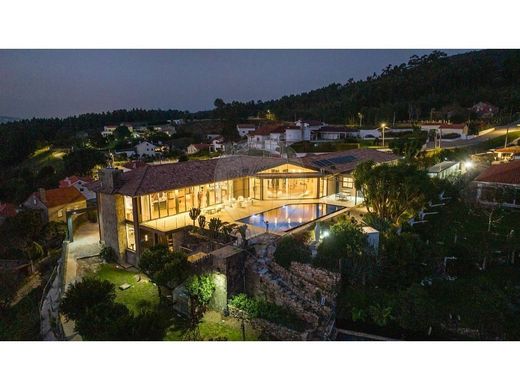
pixel 290 216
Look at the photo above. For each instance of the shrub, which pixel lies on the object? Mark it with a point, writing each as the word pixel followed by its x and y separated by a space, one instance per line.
pixel 290 249
pixel 108 254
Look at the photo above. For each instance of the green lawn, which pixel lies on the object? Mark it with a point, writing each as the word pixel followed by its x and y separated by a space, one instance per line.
pixel 43 157
pixel 142 294
pixel 215 326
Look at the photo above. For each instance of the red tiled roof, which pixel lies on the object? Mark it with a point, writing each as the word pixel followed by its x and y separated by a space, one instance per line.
pixel 60 196
pixel 313 122
pixel 246 126
pixel 510 149
pixel 268 129
pixel 7 210
pixel 68 181
pixel 507 173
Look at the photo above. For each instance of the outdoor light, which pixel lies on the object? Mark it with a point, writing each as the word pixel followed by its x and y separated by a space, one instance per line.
pixel 468 164
pixel 325 234
pixel 146 237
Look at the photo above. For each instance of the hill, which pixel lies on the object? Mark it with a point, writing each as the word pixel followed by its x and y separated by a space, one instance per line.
pixel 5 119
pixel 433 83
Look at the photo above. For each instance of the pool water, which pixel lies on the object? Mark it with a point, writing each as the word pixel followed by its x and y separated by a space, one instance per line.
pixel 290 216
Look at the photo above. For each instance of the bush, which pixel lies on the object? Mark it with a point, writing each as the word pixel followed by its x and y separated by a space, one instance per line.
pixel 260 308
pixel 108 254
pixel 291 249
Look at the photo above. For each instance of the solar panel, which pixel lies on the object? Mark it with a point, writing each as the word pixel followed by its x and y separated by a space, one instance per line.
pixel 335 160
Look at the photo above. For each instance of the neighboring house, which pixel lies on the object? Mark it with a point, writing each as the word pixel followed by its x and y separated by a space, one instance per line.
pixel 460 129
pixel 508 153
pixel 270 138
pixel 244 129
pixel 147 149
pixel 445 170
pixel 108 130
pixel 217 145
pixel 7 210
pixel 428 126
pixel 334 133
pixel 53 204
pixel 81 184
pixel 166 129
pixel 196 148
pixel 136 207
pixel 370 133
pixel 499 185
pixel 127 152
pixel 485 110
pixel 176 122
pixel 311 125
pixel 213 136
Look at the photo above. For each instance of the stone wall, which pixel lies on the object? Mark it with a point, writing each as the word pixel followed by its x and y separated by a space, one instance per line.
pixel 111 222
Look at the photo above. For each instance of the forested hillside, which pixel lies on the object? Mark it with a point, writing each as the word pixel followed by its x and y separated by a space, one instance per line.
pixel 414 90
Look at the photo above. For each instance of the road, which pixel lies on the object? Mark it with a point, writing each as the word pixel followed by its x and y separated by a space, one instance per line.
pixel 499 131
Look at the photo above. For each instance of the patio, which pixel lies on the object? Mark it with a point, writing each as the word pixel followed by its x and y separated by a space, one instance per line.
pixel 242 209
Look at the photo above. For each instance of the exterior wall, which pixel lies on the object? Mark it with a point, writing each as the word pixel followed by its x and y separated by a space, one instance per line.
pixel 112 222
pixel 376 133
pixel 145 149
pixel 34 203
pixel 53 213
pixel 493 194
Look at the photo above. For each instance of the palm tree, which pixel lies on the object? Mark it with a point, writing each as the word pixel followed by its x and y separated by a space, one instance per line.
pixel 194 214
pixel 214 226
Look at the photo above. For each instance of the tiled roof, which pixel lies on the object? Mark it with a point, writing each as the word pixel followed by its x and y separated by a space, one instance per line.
pixel 313 122
pixel 60 196
pixel 332 129
pixel 507 173
pixel 163 177
pixel 510 149
pixel 268 129
pixel 200 146
pixel 246 126
pixel 68 181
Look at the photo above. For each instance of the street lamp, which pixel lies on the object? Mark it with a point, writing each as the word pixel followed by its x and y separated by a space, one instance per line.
pixel 383 126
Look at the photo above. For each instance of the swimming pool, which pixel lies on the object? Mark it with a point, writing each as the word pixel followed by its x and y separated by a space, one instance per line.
pixel 290 216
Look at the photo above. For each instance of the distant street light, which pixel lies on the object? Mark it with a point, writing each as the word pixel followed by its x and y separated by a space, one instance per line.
pixel 383 126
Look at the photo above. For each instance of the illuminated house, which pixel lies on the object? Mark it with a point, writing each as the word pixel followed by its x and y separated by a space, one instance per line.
pixel 499 185
pixel 149 204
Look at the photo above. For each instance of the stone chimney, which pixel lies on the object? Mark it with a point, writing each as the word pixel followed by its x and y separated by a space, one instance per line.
pixel 43 194
pixel 110 179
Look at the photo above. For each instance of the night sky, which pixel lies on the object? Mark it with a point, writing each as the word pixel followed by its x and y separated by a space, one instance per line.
pixel 46 83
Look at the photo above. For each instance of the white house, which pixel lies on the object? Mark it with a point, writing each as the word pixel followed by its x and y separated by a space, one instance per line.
pixel 244 129
pixel 333 133
pixel 268 138
pixel 81 185
pixel 145 148
pixel 166 129
pixel 369 133
pixel 217 144
pixel 460 129
pixel 108 130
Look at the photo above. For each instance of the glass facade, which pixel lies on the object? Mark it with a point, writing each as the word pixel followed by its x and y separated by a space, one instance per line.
pixel 283 188
pixel 130 237
pixel 167 203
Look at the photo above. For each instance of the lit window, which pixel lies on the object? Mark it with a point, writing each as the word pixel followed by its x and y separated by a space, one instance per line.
pixel 60 213
pixel 348 182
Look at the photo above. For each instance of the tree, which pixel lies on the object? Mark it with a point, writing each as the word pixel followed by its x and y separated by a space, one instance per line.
pixel 393 192
pixel 200 289
pixel 168 269
pixel 86 294
pixel 81 161
pixel 121 133
pixel 290 249
pixel 409 146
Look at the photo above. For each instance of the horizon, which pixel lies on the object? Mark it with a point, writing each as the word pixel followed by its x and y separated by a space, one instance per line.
pixel 63 83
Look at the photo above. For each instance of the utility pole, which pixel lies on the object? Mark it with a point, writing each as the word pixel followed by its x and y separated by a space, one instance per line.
pixel 507 132
pixel 383 125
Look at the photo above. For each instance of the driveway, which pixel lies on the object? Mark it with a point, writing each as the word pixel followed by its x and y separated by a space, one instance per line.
pixel 86 243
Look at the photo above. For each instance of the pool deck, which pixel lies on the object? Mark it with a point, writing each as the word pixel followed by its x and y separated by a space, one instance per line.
pixel 233 214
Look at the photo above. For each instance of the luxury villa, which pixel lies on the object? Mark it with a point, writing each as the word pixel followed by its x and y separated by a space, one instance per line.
pixel 150 204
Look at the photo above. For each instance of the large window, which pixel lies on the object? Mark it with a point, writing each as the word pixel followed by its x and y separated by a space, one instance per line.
pixel 300 188
pixel 129 211
pixel 130 237
pixel 348 182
